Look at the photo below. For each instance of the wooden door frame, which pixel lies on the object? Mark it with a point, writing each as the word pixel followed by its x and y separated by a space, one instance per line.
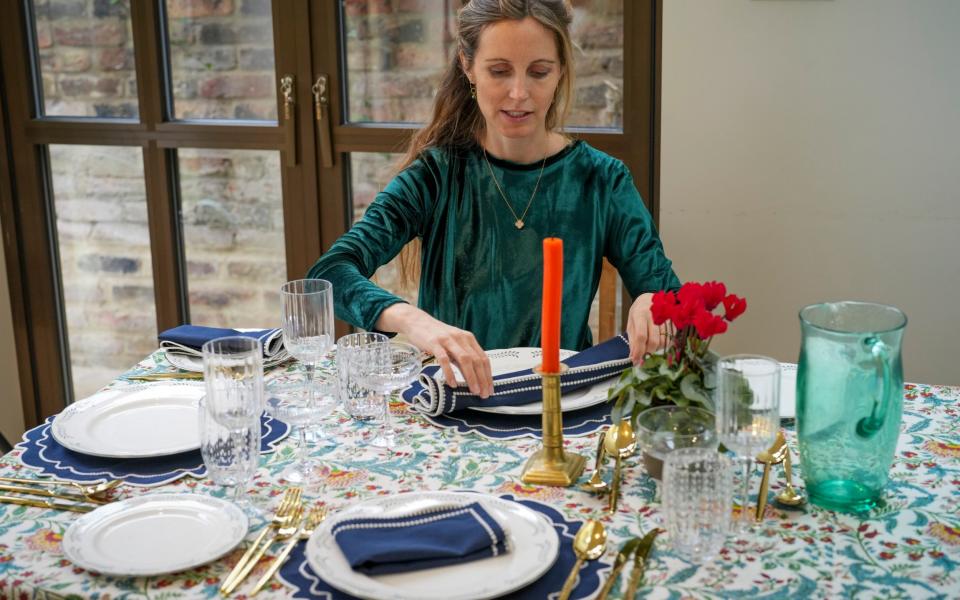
pixel 29 230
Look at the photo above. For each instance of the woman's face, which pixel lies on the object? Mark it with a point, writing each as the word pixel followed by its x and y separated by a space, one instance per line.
pixel 516 71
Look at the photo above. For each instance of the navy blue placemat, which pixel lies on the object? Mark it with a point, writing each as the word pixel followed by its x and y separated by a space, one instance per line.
pixel 43 452
pixel 298 574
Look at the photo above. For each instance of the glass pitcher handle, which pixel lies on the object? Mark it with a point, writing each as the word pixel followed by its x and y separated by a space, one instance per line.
pixel 870 426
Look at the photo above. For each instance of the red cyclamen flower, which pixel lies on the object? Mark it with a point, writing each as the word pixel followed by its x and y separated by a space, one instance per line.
pixel 708 325
pixel 713 293
pixel 733 306
pixel 662 307
pixel 687 310
pixel 690 291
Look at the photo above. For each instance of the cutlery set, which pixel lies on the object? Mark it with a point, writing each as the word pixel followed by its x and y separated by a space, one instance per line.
pixel 35 492
pixel 620 442
pixel 590 543
pixel 290 523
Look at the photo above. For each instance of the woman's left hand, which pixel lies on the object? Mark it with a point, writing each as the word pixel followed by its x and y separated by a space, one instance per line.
pixel 644 335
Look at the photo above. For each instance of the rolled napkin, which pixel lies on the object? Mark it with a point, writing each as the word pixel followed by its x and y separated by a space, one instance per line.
pixel 187 340
pixel 433 397
pixel 436 537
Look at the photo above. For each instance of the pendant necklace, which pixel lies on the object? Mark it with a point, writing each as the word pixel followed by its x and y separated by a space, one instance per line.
pixel 518 223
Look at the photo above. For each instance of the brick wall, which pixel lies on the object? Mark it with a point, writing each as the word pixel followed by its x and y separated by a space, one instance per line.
pixel 222 67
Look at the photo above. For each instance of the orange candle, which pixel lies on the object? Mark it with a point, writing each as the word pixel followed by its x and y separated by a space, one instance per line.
pixel 552 294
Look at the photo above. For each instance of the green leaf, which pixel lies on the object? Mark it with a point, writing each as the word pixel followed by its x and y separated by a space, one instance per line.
pixel 691 388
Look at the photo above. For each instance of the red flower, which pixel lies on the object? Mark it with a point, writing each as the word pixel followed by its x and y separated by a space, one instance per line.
pixel 708 325
pixel 886 555
pixel 662 307
pixel 687 310
pixel 690 291
pixel 713 293
pixel 733 306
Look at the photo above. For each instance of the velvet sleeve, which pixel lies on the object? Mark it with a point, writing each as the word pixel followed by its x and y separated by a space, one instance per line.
pixel 395 217
pixel 633 245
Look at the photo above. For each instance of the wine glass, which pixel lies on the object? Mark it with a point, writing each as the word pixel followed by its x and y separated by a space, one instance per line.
pixel 308 330
pixel 386 367
pixel 748 414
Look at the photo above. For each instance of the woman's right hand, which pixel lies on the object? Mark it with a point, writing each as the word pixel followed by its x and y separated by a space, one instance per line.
pixel 449 345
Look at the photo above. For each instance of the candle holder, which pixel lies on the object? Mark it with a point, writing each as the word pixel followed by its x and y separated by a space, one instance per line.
pixel 551 465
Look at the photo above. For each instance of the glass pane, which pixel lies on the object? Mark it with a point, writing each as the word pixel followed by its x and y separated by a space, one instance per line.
pixel 369 173
pixel 85 56
pixel 221 59
pixel 101 219
pixel 232 213
pixel 396 53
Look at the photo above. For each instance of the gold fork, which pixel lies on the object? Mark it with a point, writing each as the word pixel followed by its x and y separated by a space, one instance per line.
pixel 309 525
pixel 289 528
pixel 290 501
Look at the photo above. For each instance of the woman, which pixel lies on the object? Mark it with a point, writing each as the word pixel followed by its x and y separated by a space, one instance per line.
pixel 483 183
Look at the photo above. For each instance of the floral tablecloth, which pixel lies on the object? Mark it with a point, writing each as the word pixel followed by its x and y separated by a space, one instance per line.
pixel 908 549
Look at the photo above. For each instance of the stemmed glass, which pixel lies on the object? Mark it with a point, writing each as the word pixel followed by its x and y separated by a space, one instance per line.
pixel 748 414
pixel 230 411
pixel 308 330
pixel 387 368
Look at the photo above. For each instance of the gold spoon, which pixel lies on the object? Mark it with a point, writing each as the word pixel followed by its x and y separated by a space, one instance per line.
pixel 773 455
pixel 620 441
pixel 589 544
pixel 789 496
pixel 596 483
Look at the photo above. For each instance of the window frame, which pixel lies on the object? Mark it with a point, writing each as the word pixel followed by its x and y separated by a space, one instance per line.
pixel 314 174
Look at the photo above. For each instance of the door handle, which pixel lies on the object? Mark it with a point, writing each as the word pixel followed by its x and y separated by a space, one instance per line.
pixel 288 95
pixel 321 115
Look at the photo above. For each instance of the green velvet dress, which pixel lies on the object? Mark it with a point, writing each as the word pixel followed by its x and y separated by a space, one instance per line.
pixel 478 271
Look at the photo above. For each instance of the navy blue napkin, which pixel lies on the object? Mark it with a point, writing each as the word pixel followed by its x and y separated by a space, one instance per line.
pixel 195 336
pixel 423 540
pixel 585 368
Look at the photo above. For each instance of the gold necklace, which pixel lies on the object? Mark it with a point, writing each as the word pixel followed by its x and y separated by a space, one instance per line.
pixel 518 223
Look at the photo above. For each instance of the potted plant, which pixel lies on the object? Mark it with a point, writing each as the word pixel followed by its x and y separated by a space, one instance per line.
pixel 683 374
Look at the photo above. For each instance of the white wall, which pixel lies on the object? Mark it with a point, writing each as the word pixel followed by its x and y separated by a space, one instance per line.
pixel 811 151
pixel 11 409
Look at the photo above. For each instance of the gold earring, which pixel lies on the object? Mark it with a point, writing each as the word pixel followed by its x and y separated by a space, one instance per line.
pixel 473 91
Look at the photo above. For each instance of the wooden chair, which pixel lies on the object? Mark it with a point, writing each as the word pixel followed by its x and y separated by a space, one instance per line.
pixel 609 292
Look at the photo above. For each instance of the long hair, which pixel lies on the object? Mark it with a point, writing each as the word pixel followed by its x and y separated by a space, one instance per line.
pixel 457 122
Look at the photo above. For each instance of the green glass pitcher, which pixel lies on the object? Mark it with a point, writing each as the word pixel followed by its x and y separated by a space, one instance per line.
pixel 849 401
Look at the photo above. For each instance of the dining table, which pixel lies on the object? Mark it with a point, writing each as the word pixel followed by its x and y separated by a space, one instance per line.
pixel 907 547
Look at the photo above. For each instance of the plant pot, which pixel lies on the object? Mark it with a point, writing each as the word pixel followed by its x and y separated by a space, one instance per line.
pixel 653 466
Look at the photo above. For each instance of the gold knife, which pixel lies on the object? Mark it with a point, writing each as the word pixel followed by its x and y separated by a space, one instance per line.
pixel 639 561
pixel 45 504
pixel 622 557
pixel 164 376
pixel 48 494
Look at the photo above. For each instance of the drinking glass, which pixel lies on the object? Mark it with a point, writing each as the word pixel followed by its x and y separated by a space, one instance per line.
pixel 231 452
pixel 748 414
pixel 308 330
pixel 233 377
pixel 357 401
pixel 393 366
pixel 697 493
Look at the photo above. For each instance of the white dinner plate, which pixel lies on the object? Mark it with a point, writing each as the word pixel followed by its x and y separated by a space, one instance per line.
pixel 154 534
pixel 137 421
pixel 517 359
pixel 532 544
pixel 788 391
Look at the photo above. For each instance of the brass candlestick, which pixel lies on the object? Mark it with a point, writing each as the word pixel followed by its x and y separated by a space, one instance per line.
pixel 551 465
